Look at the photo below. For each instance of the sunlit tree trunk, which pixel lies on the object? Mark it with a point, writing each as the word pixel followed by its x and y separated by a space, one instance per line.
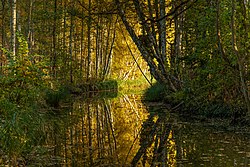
pixel 109 47
pixel 101 47
pixel 64 40
pixel 29 31
pixel 71 44
pixel 147 44
pixel 97 56
pixel 13 28
pixel 2 32
pixel 110 56
pixel 106 47
pixel 82 46
pixel 89 42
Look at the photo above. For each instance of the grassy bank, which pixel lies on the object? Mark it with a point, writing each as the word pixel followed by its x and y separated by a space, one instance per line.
pixel 26 114
pixel 197 106
pixel 136 86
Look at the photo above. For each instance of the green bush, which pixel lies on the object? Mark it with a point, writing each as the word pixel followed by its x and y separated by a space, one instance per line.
pixel 54 97
pixel 155 92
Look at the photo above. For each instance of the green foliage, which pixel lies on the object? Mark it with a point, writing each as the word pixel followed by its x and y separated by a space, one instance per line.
pixel 22 81
pixel 54 97
pixel 22 128
pixel 211 81
pixel 155 93
pixel 136 86
pixel 22 76
pixel 107 85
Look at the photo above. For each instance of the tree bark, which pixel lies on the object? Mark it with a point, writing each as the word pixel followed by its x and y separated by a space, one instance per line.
pixel 163 30
pixel 3 33
pixel 97 56
pixel 82 46
pixel 89 42
pixel 71 44
pixel 53 58
pixel 29 34
pixel 14 24
pixel 109 58
pixel 149 49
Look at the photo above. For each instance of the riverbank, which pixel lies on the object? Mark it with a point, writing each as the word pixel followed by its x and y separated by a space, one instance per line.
pixel 40 136
pixel 27 124
pixel 26 114
pixel 217 112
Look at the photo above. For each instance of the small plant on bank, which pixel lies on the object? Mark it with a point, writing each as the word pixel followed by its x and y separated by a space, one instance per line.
pixel 155 93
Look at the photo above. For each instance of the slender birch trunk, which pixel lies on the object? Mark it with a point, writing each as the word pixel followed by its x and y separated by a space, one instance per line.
pixel 29 34
pixel 3 33
pixel 14 25
pixel 71 46
pixel 89 42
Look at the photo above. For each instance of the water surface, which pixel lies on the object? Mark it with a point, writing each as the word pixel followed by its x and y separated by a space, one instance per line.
pixel 121 132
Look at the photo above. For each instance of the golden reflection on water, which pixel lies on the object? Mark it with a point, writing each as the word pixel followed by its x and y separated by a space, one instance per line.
pixel 121 132
pixel 103 132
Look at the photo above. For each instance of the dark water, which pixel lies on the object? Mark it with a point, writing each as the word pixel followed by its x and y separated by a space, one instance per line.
pixel 121 132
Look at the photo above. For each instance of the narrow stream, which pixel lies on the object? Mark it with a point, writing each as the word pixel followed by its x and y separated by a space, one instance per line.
pixel 121 132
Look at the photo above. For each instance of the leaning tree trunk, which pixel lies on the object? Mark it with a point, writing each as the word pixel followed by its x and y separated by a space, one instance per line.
pixel 147 44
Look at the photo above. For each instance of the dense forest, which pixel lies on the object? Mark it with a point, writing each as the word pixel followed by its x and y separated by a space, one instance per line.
pixel 196 50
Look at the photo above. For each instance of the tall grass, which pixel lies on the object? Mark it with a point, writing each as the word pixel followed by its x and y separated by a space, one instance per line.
pixel 21 130
pixel 136 86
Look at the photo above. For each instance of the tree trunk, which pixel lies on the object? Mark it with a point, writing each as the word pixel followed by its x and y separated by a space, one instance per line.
pixel 82 46
pixel 30 35
pixel 65 59
pixel 97 48
pixel 71 45
pixel 240 59
pixel 106 48
pixel 178 43
pixel 89 42
pixel 53 57
pixel 3 33
pixel 148 46
pixel 14 24
pixel 163 31
pixel 109 58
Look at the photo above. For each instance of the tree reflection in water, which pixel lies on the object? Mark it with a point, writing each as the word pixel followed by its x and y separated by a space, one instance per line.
pixel 156 132
pixel 165 141
pixel 99 132
pixel 121 132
